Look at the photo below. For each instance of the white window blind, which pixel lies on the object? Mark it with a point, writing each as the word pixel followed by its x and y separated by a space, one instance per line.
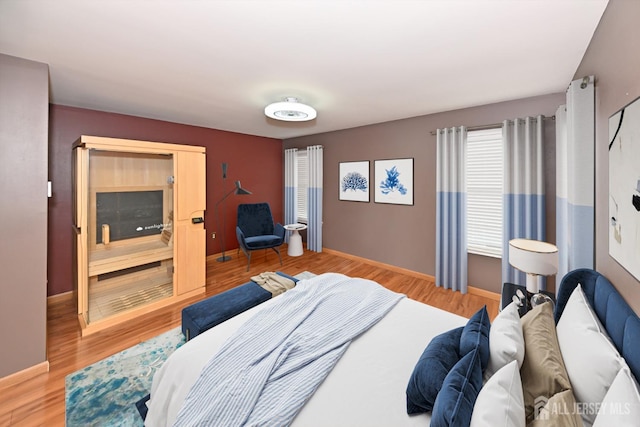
pixel 303 185
pixel 484 192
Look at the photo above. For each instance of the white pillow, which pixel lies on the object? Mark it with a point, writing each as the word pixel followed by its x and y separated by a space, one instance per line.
pixel 500 401
pixel 591 359
pixel 506 342
pixel 621 405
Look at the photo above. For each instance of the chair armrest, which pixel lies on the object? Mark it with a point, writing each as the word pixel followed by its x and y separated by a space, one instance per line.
pixel 240 237
pixel 279 231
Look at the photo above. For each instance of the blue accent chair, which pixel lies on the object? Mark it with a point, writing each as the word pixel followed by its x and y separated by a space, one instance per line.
pixel 255 230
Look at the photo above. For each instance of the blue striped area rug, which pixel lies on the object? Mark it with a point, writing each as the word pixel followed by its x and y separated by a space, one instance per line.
pixel 105 393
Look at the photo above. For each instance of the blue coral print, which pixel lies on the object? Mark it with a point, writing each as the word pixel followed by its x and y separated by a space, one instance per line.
pixel 392 183
pixel 354 181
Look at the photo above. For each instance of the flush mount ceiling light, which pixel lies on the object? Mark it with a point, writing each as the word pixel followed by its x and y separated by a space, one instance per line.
pixel 290 110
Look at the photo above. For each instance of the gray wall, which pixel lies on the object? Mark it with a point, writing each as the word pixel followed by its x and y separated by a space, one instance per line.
pixel 405 235
pixel 24 110
pixel 614 59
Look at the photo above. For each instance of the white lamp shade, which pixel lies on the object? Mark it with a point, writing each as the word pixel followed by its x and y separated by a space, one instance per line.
pixel 533 256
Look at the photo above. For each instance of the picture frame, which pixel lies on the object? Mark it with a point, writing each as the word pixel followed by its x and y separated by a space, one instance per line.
pixel 394 181
pixel 624 187
pixel 354 182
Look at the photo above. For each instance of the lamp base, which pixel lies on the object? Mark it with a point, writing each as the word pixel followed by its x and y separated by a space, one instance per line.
pixel 533 285
pixel 223 258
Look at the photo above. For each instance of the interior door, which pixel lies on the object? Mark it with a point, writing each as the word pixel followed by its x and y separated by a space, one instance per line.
pixel 190 235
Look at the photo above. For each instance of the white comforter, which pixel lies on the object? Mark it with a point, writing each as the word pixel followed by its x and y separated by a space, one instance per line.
pixel 366 387
pixel 271 366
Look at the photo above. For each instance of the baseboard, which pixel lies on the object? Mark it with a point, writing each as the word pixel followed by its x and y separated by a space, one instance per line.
pixel 470 289
pixel 381 264
pixel 60 297
pixel 483 293
pixel 24 375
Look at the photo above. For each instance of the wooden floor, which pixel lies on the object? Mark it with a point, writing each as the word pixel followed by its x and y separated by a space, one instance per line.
pixel 40 401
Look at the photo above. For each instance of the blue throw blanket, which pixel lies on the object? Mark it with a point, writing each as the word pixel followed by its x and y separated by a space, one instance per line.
pixel 272 365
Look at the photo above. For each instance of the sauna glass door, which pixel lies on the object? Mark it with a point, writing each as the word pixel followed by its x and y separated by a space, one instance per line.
pixel 129 231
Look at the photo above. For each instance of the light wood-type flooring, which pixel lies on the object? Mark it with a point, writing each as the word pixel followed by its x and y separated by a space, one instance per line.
pixel 40 400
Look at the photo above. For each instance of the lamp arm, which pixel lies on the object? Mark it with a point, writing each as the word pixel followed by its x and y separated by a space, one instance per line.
pixel 224 198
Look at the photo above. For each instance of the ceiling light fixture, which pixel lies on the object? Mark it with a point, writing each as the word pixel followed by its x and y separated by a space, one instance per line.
pixel 290 110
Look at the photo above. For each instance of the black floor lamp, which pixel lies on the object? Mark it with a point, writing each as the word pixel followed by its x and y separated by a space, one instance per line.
pixel 238 190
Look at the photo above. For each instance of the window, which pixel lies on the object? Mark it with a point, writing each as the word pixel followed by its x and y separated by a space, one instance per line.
pixel 484 192
pixel 303 185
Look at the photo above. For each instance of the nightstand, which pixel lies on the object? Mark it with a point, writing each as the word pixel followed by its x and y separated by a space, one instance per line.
pixel 511 289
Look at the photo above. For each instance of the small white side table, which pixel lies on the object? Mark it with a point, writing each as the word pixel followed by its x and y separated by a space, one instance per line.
pixel 295 239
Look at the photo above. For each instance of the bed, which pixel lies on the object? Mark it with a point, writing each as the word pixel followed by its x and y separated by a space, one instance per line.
pixel 371 381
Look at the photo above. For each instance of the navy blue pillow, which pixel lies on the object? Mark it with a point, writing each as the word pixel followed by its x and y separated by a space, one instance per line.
pixel 454 404
pixel 476 335
pixel 429 373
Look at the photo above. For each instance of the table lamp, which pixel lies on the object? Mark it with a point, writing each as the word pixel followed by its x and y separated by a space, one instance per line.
pixel 535 258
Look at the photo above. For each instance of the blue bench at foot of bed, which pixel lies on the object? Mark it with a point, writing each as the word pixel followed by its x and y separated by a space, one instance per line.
pixel 214 310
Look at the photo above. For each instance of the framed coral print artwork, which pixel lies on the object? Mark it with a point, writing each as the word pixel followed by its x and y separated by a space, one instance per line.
pixel 354 181
pixel 394 181
pixel 624 187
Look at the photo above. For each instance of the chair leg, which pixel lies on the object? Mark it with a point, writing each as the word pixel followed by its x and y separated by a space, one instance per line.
pixel 248 260
pixel 279 257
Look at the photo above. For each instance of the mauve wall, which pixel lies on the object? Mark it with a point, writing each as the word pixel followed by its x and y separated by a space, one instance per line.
pixel 613 58
pixel 256 161
pixel 24 98
pixel 405 235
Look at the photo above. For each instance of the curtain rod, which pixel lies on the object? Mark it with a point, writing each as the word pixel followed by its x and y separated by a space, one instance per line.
pixel 495 125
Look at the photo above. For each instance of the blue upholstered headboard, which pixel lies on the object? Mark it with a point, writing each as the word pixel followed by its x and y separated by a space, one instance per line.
pixel 620 321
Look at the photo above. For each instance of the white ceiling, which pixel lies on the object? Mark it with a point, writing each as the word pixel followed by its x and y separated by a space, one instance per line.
pixel 218 63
